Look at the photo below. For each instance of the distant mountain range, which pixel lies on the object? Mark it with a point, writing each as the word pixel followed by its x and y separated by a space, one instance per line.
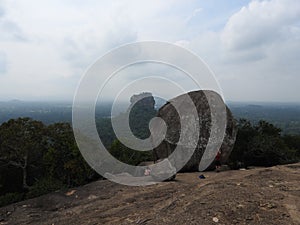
pixel 284 115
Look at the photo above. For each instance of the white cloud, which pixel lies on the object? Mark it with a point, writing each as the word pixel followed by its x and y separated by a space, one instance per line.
pixel 9 30
pixel 3 63
pixel 261 23
pixel 195 12
pixel 254 49
pixel 256 54
pixel 261 49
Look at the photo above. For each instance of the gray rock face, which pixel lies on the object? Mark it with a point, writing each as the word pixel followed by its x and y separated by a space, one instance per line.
pixel 171 117
pixel 165 171
pixel 143 100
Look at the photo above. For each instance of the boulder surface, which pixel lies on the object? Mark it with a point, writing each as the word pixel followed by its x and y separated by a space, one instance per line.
pixel 171 118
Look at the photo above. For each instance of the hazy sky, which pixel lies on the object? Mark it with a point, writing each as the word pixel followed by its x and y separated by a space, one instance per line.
pixel 252 46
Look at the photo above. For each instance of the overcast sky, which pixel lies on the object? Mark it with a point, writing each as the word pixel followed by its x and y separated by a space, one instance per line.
pixel 252 46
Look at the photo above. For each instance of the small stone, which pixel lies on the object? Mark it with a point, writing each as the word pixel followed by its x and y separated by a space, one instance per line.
pixel 215 219
pixel 69 193
pixel 91 197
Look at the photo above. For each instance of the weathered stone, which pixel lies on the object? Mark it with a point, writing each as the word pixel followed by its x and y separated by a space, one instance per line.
pixel 171 118
pixel 163 171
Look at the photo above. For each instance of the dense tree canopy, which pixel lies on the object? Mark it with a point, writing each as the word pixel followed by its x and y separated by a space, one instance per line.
pixel 63 160
pixel 36 159
pixel 22 145
pixel 261 144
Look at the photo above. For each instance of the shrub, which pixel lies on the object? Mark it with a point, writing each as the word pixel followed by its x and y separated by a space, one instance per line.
pixel 10 198
pixel 44 186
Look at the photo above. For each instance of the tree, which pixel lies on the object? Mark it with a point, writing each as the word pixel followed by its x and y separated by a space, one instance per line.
pixel 244 135
pixel 293 142
pixel 260 145
pixel 266 150
pixel 129 156
pixel 105 131
pixel 265 128
pixel 63 159
pixel 21 144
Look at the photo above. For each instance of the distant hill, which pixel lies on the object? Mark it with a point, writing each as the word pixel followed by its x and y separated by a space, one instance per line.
pixel 284 115
pixel 48 112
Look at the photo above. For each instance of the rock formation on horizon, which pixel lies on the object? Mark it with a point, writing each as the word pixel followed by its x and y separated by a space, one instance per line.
pixel 141 100
pixel 141 112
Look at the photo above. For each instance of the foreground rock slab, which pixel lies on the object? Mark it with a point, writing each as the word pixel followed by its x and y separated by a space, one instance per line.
pixel 256 196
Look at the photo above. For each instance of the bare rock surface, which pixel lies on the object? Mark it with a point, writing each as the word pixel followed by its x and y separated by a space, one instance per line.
pixel 256 196
pixel 170 116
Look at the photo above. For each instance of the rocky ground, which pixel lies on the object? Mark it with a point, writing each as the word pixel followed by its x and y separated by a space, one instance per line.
pixel 255 196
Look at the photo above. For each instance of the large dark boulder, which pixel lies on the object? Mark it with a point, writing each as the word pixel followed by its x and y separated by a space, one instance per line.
pixel 171 117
